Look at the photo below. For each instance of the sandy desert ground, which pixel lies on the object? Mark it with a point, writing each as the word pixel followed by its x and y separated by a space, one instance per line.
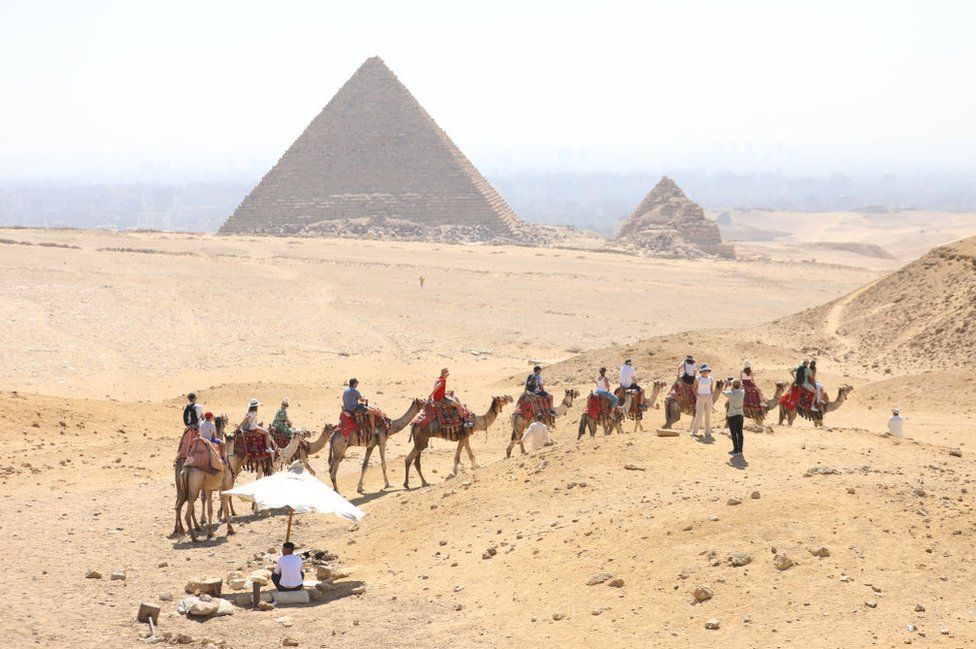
pixel 103 338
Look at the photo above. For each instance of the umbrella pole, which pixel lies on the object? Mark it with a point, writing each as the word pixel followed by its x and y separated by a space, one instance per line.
pixel 291 512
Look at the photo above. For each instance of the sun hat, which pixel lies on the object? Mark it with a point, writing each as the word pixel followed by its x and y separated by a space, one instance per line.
pixel 705 367
pixel 254 402
pixel 208 415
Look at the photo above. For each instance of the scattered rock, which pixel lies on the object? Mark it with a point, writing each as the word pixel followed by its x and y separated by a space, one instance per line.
pixel 739 559
pixel 341 572
pixel 93 574
pixel 207 585
pixel 238 583
pixel 289 641
pixel 918 491
pixel 712 517
pixel 323 573
pixel 783 562
pixel 911 628
pixel 955 452
pixel 822 470
pixel 712 624
pixel 285 621
pixel 634 467
pixel 358 590
pixel 821 552
pixel 117 576
pixel 184 638
pixel 733 501
pixel 599 578
pixel 616 583
pixel 755 495
pixel 558 616
pixel 919 608
pixel 871 603
pixel 265 606
pixel 166 597
pixel 702 594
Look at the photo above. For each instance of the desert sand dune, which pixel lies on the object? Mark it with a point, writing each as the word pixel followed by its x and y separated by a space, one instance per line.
pixel 101 344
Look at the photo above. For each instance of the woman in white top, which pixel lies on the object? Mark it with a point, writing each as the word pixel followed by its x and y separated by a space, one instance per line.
pixel 603 388
pixel 703 401
pixel 687 369
pixel 250 424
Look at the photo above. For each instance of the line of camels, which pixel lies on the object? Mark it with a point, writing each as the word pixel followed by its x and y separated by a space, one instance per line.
pixel 192 482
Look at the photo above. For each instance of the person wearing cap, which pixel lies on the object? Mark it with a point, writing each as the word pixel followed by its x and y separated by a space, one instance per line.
pixel 440 394
pixel 250 424
pixel 896 424
pixel 192 412
pixel 208 429
pixel 534 384
pixel 354 403
pixel 628 381
pixel 603 388
pixel 537 433
pixel 687 370
pixel 703 401
pixel 288 573
pixel 281 423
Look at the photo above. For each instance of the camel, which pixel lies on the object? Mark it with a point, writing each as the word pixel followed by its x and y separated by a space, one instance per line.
pixel 768 404
pixel 220 423
pixel 614 421
pixel 636 413
pixel 520 423
pixel 675 407
pixel 338 443
pixel 817 417
pixel 421 434
pixel 191 482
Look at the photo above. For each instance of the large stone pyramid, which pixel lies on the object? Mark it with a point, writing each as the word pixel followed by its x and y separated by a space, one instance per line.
pixel 668 223
pixel 374 163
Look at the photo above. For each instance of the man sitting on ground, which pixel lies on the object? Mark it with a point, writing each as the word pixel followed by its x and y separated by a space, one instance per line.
pixel 287 574
pixel 537 434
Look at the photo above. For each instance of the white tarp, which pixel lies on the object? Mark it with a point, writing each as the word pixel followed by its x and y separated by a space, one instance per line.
pixel 299 490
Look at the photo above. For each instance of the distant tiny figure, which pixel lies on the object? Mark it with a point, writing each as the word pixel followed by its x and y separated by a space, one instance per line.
pixel 896 424
pixel 422 280
pixel 735 415
pixel 537 434
pixel 288 573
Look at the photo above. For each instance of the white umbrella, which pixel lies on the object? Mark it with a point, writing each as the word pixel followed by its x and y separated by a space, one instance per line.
pixel 299 491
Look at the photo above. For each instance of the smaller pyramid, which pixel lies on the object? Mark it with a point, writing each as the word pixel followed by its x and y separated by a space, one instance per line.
pixel 669 224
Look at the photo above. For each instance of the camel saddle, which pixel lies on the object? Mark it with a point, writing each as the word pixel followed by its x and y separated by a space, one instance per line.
pixel 635 409
pixel 450 420
pixel 684 394
pixel 531 405
pixel 598 407
pixel 254 445
pixel 359 422
pixel 204 455
pixel 189 434
pixel 754 403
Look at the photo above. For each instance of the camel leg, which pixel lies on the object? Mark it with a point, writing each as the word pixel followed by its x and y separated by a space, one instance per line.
pixel 467 447
pixel 334 460
pixel 362 474
pixel 191 502
pixel 225 505
pixel 511 445
pixel 208 500
pixel 416 464
pixel 457 456
pixel 386 481
pixel 406 466
pixel 178 529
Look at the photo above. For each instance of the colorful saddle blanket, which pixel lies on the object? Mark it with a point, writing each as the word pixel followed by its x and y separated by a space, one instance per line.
pixel 254 445
pixel 204 455
pixel 754 403
pixel 447 418
pixel 684 394
pixel 598 406
pixel 189 434
pixel 635 409
pixel 349 424
pixel 803 401
pixel 531 405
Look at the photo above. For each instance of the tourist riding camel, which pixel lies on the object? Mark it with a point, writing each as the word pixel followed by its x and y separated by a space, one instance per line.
pixel 603 388
pixel 282 424
pixel 628 381
pixel 598 412
pixel 535 384
pixel 801 402
pixel 756 405
pixel 192 415
pixel 251 425
pixel 355 406
pixel 687 370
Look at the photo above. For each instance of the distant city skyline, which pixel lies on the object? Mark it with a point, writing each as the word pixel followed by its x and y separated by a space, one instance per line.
pixel 177 91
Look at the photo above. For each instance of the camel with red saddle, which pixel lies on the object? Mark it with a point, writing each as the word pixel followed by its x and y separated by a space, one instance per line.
pixel 755 405
pixel 520 422
pixel 428 426
pixel 806 409
pixel 599 412
pixel 357 433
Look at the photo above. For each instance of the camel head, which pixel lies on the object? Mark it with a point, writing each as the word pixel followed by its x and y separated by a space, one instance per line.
pixel 497 403
pixel 843 391
pixel 571 393
pixel 418 403
pixel 660 385
pixel 328 428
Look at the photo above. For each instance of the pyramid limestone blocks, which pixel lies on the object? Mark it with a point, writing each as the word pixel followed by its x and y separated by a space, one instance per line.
pixel 373 163
pixel 668 223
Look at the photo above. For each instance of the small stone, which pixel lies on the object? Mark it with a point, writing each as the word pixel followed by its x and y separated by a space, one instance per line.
pixel 919 492
pixel 944 631
pixel 285 621
pixel 616 583
pixel 955 452
pixel 739 559
pixel 207 586
pixel 184 638
pixel 599 578
pixel 911 628
pixel 265 606
pixel 93 574
pixel 712 517
pixel 358 590
pixel 238 583
pixel 712 624
pixel 702 594
pixel 162 564
pixel 634 467
pixel 733 501
pixel 558 616
pixel 289 641
pixel 919 608
pixel 822 552
pixel 783 562
pixel 323 573
pixel 755 495
pixel 871 603
pixel 851 490
pixel 166 597
pixel 341 572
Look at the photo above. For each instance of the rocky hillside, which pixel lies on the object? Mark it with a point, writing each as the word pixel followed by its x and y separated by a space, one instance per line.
pixel 918 318
pixel 668 223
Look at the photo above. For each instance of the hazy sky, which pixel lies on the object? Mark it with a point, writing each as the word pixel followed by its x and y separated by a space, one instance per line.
pixel 223 87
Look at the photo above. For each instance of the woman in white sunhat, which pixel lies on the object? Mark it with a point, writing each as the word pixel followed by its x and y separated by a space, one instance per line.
pixel 251 425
